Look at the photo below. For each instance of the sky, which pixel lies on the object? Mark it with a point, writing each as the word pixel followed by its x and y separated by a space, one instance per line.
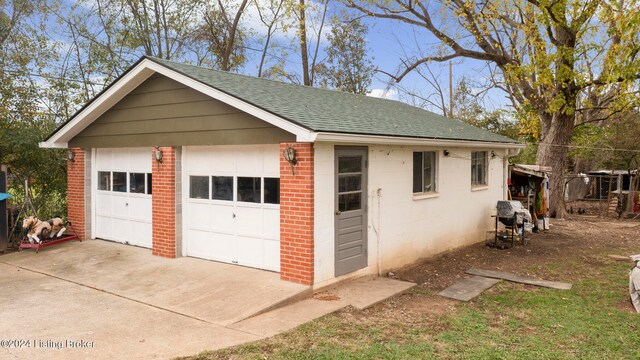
pixel 389 41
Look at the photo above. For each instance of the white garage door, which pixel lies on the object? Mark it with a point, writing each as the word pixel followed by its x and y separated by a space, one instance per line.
pixel 123 195
pixel 232 198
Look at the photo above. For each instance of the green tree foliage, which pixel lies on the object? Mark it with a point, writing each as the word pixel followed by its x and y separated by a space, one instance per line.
pixel 222 38
pixel 348 67
pixel 613 145
pixel 468 107
pixel 546 54
pixel 24 119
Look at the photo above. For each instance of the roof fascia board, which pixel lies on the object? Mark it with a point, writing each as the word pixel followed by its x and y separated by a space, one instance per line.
pixel 302 134
pixel 396 140
pixel 99 106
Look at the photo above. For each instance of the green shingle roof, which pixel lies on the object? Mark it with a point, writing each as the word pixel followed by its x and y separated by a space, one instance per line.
pixel 323 110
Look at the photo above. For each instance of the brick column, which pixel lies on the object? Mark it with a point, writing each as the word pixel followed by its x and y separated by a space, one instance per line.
pixel 163 203
pixel 76 192
pixel 296 215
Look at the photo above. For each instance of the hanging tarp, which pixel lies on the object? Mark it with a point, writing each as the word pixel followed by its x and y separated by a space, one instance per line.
pixel 4 196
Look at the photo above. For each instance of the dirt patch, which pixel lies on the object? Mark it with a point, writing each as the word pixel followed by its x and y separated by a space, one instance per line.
pixel 578 236
pixel 432 305
pixel 326 297
pixel 582 239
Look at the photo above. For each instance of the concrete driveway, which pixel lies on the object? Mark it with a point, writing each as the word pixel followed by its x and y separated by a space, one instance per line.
pixel 98 299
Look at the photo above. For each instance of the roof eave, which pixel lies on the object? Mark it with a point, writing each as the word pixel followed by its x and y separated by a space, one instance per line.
pixel 401 140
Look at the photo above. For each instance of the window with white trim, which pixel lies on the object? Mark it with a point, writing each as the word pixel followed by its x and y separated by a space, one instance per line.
pixel 118 181
pixel 425 164
pixel 258 190
pixel 479 165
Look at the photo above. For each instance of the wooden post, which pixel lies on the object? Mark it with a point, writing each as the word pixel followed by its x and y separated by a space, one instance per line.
pixel 633 189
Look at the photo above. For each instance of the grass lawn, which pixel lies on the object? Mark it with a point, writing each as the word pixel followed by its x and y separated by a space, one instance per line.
pixel 594 320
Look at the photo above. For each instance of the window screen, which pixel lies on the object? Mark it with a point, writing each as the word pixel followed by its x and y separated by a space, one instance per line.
pixel 424 171
pixel 478 168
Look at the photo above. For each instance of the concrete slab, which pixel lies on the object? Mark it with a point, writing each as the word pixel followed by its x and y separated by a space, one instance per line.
pixel 49 315
pixel 468 288
pixel 365 292
pixel 215 292
pixel 360 293
pixel 519 279
pixel 118 301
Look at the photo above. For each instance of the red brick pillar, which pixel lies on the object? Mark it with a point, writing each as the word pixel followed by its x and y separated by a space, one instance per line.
pixel 76 192
pixel 296 215
pixel 163 203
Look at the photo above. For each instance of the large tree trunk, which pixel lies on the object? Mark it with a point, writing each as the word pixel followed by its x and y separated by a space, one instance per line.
pixel 303 44
pixel 552 151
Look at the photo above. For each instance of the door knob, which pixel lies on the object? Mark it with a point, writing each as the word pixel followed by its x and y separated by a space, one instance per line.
pixel 234 215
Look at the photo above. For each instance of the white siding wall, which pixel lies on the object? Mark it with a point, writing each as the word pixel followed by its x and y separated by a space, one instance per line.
pixel 406 228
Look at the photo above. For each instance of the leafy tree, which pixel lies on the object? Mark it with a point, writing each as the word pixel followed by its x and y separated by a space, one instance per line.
pixel 222 36
pixel 309 62
pixel 613 145
pixel 541 52
pixel 468 107
pixel 347 67
pixel 271 13
pixel 24 117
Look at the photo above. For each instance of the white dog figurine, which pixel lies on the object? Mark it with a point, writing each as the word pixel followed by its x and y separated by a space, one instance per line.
pixel 35 227
pixel 634 282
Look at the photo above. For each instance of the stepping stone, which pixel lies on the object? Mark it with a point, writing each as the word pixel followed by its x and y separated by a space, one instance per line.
pixel 468 288
pixel 519 279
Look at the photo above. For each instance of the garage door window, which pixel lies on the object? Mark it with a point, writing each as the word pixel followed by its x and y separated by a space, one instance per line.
pixel 199 187
pixel 149 182
pixel 104 180
pixel 222 187
pixel 271 190
pixel 136 183
pixel 246 189
pixel 139 183
pixel 249 189
pixel 120 181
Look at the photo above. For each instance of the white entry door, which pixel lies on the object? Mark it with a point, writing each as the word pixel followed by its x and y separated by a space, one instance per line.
pixel 123 195
pixel 232 198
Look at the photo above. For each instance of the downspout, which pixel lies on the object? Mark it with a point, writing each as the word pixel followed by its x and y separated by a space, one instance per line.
pixel 505 171
pixel 377 231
